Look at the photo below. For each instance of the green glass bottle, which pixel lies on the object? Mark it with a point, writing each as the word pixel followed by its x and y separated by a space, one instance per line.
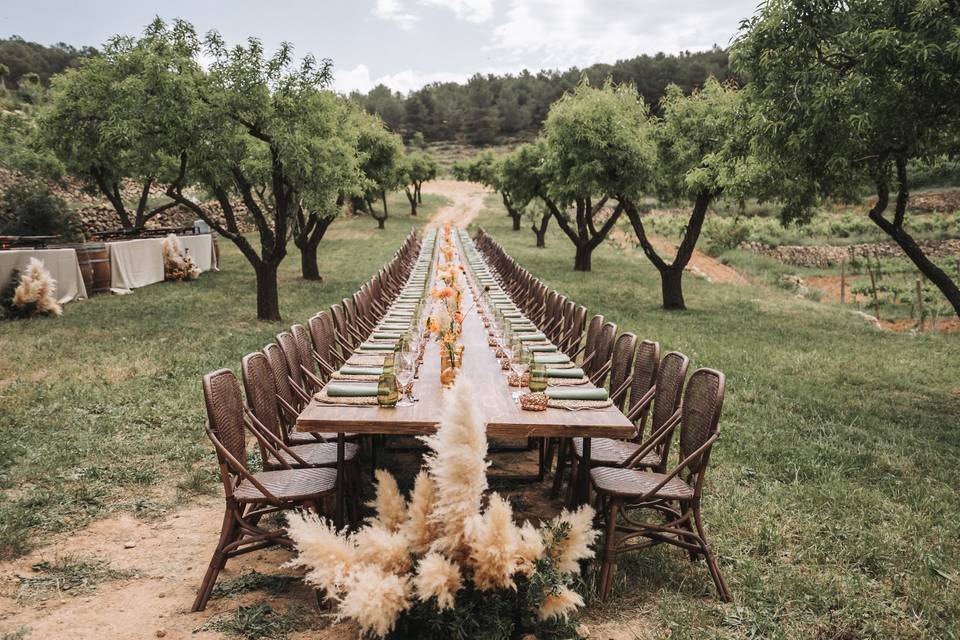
pixel 538 375
pixel 387 395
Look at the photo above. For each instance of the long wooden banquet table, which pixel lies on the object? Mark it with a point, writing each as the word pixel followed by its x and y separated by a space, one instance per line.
pixel 501 412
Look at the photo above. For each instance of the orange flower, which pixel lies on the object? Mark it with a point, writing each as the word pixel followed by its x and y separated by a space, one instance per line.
pixel 458 317
pixel 446 292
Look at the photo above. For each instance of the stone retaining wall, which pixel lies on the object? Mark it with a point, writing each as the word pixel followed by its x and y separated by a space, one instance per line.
pixel 827 256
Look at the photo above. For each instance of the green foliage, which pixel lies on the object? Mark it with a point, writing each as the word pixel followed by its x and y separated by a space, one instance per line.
pixel 840 92
pixel 721 234
pixel 420 167
pixel 19 57
pixel 29 208
pixel 598 142
pixel 8 310
pixel 253 580
pixel 381 156
pixel 489 108
pixel 22 149
pixel 74 574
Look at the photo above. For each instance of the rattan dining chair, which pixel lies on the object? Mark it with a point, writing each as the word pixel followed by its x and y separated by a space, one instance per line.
pixel 589 346
pixel 308 370
pixel 603 355
pixel 675 495
pixel 325 353
pixel 621 368
pixel 250 495
pixel 287 401
pixel 301 390
pixel 276 449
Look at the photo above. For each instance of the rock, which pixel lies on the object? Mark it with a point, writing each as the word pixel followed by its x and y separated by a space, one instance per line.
pixel 160 633
pixel 869 318
pixel 129 544
pixel 583 631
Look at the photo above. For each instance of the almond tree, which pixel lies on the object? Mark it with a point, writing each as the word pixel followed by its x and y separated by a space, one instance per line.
pixel 701 154
pixel 853 93
pixel 597 150
pixel 418 168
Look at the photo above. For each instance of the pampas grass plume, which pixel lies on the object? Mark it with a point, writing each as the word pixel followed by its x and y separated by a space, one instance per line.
pixel 389 504
pixel 388 550
pixel 374 599
pixel 37 287
pixel 419 528
pixel 581 535
pixel 560 604
pixel 494 543
pixel 326 553
pixel 438 577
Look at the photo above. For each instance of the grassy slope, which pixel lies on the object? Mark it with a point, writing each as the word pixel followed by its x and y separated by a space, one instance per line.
pixel 101 409
pixel 833 493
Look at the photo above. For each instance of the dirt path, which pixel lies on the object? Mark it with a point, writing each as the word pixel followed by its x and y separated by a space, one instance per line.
pixel 700 265
pixel 467 202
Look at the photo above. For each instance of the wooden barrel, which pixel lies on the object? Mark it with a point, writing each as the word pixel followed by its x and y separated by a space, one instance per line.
pixel 86 269
pixel 96 256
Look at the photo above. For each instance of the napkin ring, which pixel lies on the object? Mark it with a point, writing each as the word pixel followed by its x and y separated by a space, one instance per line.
pixel 533 402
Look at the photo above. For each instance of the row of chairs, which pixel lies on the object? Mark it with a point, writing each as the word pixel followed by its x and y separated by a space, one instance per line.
pixel 300 470
pixel 629 475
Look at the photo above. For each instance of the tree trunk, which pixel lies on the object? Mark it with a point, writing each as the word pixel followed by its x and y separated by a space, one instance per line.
pixel 419 194
pixel 381 223
pixel 516 215
pixel 541 231
pixel 268 296
pixel 383 197
pixel 309 269
pixel 412 199
pixel 581 261
pixel 671 284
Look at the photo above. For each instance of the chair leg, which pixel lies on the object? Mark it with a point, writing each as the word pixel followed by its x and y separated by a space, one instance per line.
pixel 217 562
pixel 688 525
pixel 609 559
pixel 548 456
pixel 572 481
pixel 562 454
pixel 711 560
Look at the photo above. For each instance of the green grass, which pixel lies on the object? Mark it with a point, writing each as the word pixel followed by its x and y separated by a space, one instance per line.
pixel 101 409
pixel 832 495
pixel 73 575
pixel 260 622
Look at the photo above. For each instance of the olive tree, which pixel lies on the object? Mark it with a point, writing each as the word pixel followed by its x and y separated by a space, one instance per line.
pixel 598 149
pixel 701 154
pixel 487 169
pixel 522 175
pixel 856 92
pixel 418 168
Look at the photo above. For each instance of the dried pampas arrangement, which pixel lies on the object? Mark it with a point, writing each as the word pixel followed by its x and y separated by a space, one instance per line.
pixel 177 263
pixel 441 564
pixel 31 293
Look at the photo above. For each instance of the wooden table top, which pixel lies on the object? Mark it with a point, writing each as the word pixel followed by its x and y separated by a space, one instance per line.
pixel 503 416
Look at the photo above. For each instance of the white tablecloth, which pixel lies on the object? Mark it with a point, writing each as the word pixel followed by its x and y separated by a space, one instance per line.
pixel 135 263
pixel 201 250
pixel 61 263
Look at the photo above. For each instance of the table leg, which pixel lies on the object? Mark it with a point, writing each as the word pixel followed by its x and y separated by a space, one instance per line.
pixel 583 476
pixel 341 481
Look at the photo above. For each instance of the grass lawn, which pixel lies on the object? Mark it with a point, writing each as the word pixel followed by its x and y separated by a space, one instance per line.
pixel 101 409
pixel 832 497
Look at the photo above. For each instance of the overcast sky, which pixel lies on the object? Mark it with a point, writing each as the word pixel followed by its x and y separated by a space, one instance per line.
pixel 408 43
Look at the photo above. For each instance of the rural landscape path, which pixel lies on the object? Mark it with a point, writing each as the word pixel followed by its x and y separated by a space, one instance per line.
pixel 466 201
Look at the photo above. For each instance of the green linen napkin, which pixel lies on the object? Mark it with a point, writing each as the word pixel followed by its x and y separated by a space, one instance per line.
pixel 351 389
pixel 348 370
pixel 573 372
pixel 377 346
pixel 552 358
pixel 528 337
pixel 387 335
pixel 574 393
pixel 542 348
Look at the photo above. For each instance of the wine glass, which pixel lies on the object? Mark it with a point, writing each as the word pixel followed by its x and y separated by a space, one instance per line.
pixel 404 369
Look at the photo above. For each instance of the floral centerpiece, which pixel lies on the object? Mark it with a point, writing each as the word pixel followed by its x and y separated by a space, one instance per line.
pixel 177 263
pixel 447 563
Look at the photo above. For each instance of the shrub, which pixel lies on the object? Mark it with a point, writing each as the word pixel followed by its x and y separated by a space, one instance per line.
pixel 721 234
pixel 30 209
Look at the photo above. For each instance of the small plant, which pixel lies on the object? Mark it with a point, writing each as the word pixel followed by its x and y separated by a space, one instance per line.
pixel 72 574
pixel 257 622
pixel 253 580
pixel 29 208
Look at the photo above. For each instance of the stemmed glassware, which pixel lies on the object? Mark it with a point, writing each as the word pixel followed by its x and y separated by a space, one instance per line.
pixel 404 368
pixel 519 361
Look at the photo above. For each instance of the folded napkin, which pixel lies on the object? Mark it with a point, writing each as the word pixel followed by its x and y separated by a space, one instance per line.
pixel 527 337
pixel 552 358
pixel 351 389
pixel 348 370
pixel 574 393
pixel 387 335
pixel 573 372
pixel 542 348
pixel 377 346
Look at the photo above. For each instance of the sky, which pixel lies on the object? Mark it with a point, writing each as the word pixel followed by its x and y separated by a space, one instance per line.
pixel 406 44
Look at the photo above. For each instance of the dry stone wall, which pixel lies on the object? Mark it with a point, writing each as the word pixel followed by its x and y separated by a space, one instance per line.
pixel 828 256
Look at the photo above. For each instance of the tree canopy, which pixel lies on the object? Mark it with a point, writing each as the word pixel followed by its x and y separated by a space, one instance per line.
pixel 852 93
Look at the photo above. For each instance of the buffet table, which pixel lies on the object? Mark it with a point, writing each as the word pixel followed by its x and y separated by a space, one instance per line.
pixel 61 263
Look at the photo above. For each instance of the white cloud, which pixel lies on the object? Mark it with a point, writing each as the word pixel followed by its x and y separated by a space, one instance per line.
pixel 359 79
pixel 477 11
pixel 395 11
pixel 564 33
